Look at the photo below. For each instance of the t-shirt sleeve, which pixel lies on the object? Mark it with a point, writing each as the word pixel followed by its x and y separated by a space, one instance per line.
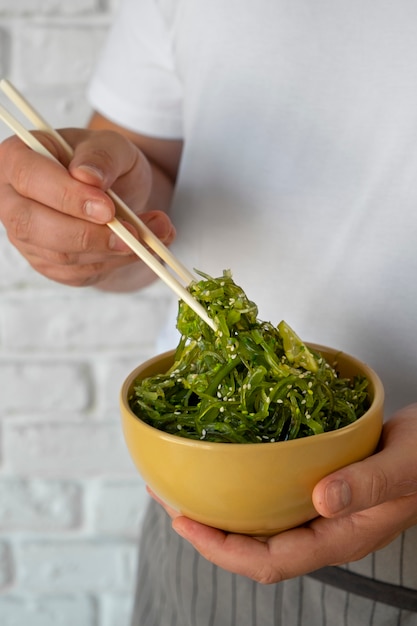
pixel 135 83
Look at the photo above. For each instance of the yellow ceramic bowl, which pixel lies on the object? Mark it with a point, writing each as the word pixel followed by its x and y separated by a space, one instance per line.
pixel 254 488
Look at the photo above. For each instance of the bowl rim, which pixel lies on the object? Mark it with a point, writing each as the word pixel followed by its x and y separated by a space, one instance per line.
pixel 377 403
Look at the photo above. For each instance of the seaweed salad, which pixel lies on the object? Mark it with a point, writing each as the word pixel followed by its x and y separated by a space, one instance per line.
pixel 248 382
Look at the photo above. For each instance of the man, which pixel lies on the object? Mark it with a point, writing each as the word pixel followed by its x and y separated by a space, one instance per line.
pixel 280 139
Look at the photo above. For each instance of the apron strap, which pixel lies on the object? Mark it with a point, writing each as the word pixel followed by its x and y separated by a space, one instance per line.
pixel 386 593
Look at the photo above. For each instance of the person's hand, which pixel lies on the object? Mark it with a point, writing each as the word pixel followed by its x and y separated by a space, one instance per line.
pixel 56 216
pixel 363 507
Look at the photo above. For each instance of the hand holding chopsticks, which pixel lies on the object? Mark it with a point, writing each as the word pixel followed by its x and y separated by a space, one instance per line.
pixel 122 210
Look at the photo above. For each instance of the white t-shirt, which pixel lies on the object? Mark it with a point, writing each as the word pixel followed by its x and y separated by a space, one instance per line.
pixel 299 170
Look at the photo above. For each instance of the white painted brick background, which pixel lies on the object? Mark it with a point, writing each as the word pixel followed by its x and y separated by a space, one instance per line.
pixel 71 502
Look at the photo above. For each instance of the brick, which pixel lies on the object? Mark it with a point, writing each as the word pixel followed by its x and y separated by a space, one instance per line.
pixel 65 469
pixel 15 271
pixel 63 107
pixel 51 54
pixel 119 508
pixel 4 132
pixel 48 7
pixel 110 374
pixel 81 320
pixel 113 5
pixel 65 450
pixel 116 610
pixel 37 505
pixel 6 566
pixel 73 566
pixel 44 386
pixel 5 52
pixel 47 610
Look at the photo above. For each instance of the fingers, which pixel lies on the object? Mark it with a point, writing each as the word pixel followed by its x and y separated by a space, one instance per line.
pixel 101 160
pixel 45 182
pixel 364 507
pixel 73 251
pixel 107 159
pixel 70 251
pixel 239 554
pixel 34 224
pixel 80 275
pixel 387 475
pixel 57 217
pixel 302 550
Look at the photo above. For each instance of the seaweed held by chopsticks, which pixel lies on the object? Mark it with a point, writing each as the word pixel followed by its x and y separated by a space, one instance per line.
pixel 248 382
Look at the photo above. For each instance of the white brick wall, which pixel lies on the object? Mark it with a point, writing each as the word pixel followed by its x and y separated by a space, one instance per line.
pixel 71 502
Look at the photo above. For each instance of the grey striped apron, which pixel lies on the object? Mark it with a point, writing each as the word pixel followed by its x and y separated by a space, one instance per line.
pixel 178 587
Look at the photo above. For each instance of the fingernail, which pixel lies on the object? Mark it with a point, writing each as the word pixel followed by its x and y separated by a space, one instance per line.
pixel 338 496
pixel 98 211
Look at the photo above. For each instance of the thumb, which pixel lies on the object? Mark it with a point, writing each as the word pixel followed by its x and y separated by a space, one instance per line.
pixel 101 157
pixel 389 474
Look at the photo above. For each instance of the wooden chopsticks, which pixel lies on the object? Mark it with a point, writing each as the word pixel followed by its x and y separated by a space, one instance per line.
pixel 122 210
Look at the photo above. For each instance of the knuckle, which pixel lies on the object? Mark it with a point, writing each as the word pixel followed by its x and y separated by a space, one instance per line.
pixel 71 276
pixel 22 179
pixel 82 281
pixel 67 199
pixel 56 258
pixel 267 576
pixel 20 225
pixel 72 200
pixel 104 157
pixel 46 261
pixel 378 487
pixel 84 241
pixel 64 259
pixel 85 276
